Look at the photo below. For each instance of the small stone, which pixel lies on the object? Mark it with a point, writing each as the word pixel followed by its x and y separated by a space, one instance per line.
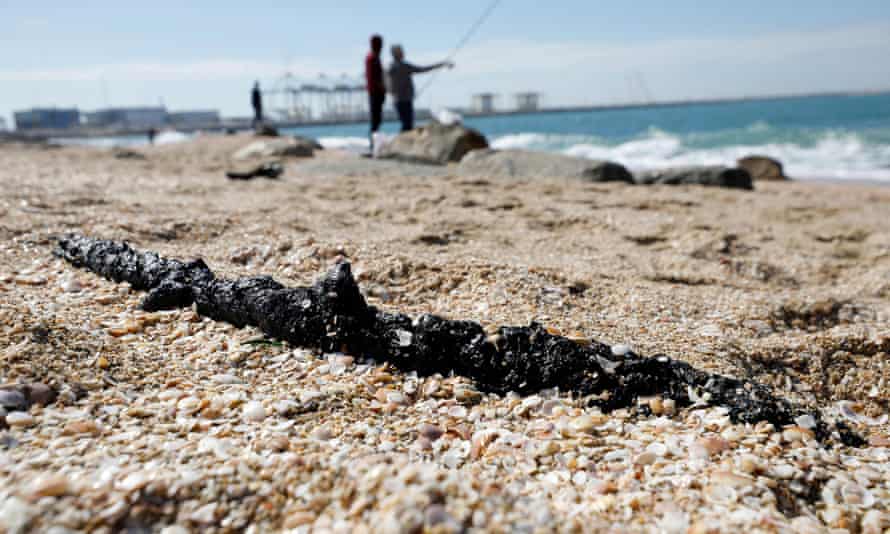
pixel 71 285
pixel 583 424
pixel 431 432
pixel 102 362
pixel 81 426
pixel 15 514
pixel 646 458
pixel 133 481
pixel 322 433
pixel 299 518
pixel 620 350
pixel 713 445
pixel 188 405
pixel 175 529
pixel 879 441
pixel 204 515
pixel 40 394
pixel 254 412
pixel 436 514
pixel 20 419
pixel 226 379
pixel 49 486
pixel 806 421
pixel 13 399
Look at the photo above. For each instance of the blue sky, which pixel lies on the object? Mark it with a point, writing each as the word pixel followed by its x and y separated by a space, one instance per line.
pixel 205 54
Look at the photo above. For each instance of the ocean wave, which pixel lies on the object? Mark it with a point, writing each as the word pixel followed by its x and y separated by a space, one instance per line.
pixel 826 154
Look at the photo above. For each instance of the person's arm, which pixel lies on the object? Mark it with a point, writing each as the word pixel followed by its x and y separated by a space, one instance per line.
pixel 416 69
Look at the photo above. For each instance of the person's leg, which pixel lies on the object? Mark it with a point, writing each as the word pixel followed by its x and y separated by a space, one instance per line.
pixel 376 104
pixel 406 115
pixel 410 113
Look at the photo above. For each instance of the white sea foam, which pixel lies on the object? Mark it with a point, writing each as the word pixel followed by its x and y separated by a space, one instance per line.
pixel 354 144
pixel 171 136
pixel 833 155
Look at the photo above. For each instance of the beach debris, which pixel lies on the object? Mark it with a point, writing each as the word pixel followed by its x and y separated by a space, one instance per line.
pixel 332 316
pixel 127 153
pixel 762 168
pixel 718 176
pixel 433 143
pixel 527 164
pixel 271 169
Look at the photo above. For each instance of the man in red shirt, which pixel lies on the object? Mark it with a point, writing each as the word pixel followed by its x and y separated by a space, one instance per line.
pixel 375 85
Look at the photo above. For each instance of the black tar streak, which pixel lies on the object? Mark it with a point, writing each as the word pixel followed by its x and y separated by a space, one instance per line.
pixel 332 315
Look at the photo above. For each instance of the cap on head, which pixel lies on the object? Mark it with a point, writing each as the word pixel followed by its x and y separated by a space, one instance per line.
pixel 376 43
pixel 398 53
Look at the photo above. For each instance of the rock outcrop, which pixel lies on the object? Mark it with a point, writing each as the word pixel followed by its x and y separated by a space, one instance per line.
pixel 530 165
pixel 762 168
pixel 282 147
pixel 434 143
pixel 711 176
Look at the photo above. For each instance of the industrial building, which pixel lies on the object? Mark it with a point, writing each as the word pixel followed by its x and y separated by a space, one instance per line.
pixel 528 101
pixel 193 119
pixel 136 118
pixel 47 118
pixel 483 103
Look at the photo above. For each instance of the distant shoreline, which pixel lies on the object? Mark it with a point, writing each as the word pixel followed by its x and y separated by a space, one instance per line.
pixel 229 125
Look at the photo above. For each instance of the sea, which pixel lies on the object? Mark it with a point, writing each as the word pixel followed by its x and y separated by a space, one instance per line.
pixel 837 137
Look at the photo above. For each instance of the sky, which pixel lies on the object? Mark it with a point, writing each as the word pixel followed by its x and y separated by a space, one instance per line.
pixel 206 54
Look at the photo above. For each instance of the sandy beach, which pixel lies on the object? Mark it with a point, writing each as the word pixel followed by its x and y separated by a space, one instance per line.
pixel 172 421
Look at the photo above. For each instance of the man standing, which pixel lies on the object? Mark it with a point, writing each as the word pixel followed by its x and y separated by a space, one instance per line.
pixel 375 85
pixel 256 100
pixel 401 84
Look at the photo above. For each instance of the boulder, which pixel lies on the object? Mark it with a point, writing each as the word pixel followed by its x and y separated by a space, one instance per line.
pixel 712 176
pixel 271 169
pixel 530 165
pixel 281 147
pixel 762 168
pixel 433 143
pixel 265 130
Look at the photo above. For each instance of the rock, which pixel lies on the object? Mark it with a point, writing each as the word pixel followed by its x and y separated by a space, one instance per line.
pixel 49 486
pixel 434 143
pixel 710 176
pixel 126 153
pixel 528 164
pixel 40 394
pixel 762 168
pixel 271 169
pixel 13 399
pixel 283 147
pixel 20 419
pixel 431 432
pixel 265 130
pixel 254 412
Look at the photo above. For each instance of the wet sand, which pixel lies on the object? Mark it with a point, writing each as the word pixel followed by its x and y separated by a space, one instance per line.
pixel 191 425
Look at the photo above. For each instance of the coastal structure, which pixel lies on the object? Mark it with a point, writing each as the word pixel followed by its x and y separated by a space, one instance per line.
pixel 47 118
pixel 193 118
pixel 3 124
pixel 483 102
pixel 528 101
pixel 135 117
pixel 326 98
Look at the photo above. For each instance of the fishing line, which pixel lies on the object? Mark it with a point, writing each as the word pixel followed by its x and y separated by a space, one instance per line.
pixel 467 36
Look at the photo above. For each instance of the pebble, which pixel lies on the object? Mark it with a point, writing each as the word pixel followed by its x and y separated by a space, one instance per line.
pixel 49 486
pixel 70 284
pixel 431 432
pixel 12 399
pixel 81 426
pixel 254 412
pixel 583 424
pixel 20 419
pixel 41 394
pixel 226 379
pixel 620 350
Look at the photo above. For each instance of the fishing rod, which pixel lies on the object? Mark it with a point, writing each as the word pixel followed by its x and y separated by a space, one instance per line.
pixel 467 36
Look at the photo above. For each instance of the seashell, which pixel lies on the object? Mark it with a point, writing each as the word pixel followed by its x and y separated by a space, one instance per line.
pixel 50 486
pixel 856 495
pixel 254 412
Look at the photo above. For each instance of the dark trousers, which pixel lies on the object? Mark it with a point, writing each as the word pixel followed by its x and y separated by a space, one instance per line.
pixel 257 116
pixel 406 114
pixel 375 104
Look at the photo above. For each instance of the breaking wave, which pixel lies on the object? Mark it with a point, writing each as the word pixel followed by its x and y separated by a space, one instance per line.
pixel 806 154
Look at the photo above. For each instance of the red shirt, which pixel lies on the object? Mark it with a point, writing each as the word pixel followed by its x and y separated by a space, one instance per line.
pixel 374 75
